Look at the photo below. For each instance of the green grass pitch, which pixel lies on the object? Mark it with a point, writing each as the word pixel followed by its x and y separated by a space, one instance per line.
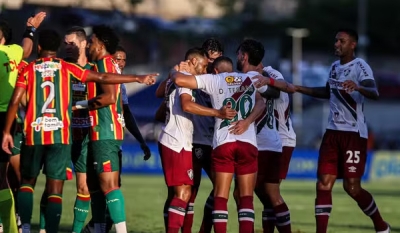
pixel 145 196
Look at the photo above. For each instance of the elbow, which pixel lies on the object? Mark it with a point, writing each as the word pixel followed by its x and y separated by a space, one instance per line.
pixel 186 108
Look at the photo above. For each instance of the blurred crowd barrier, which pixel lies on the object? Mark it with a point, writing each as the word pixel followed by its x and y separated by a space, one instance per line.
pixel 381 165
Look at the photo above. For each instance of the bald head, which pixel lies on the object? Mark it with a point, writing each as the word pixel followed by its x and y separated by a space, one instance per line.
pixel 222 64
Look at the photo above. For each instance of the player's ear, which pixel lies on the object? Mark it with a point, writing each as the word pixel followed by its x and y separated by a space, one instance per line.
pixel 194 61
pixel 215 71
pixel 39 48
pixel 84 44
pixel 353 45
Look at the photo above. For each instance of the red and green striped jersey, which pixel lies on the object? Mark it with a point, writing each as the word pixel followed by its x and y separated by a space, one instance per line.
pixel 21 112
pixel 80 118
pixel 48 85
pixel 107 121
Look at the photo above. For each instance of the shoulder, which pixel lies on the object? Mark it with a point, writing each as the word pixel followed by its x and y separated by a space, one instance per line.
pixel 273 73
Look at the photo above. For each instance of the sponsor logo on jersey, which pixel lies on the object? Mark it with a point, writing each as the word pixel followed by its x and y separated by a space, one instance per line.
pixel 47 68
pixel 232 80
pixel 47 124
pixel 79 87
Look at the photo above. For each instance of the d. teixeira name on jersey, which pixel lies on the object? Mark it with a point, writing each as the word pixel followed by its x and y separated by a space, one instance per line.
pixel 233 90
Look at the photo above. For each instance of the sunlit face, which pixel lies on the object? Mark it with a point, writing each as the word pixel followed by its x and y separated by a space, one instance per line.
pixel 73 47
pixel 211 56
pixel 95 47
pixel 240 61
pixel 201 65
pixel 120 59
pixel 344 45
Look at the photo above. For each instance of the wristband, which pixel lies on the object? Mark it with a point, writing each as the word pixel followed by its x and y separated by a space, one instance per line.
pixel 271 82
pixel 83 104
pixel 29 32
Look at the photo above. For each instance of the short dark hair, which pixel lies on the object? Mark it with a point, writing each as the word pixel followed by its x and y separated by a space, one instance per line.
pixel 6 30
pixel 49 40
pixel 254 49
pixel 212 45
pixel 220 60
pixel 351 32
pixel 78 31
pixel 195 52
pixel 107 36
pixel 120 49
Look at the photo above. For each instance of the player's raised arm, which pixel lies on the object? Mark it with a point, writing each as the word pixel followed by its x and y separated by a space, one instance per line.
pixel 183 80
pixel 110 78
pixel 317 92
pixel 13 105
pixel 31 25
pixel 282 85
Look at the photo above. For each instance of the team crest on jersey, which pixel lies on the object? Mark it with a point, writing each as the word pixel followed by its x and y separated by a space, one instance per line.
pixel 47 124
pixel 48 68
pixel 190 174
pixel 198 152
pixel 346 72
pixel 232 80
pixel 121 119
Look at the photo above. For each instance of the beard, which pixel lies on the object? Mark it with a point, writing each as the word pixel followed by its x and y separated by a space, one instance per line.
pixel 72 55
pixel 239 66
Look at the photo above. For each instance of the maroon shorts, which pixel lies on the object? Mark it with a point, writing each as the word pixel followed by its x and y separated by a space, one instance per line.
pixel 343 154
pixel 287 152
pixel 235 157
pixel 202 157
pixel 269 167
pixel 177 167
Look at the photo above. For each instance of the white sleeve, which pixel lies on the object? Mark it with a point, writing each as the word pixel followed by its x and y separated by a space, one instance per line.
pixel 183 90
pixel 273 73
pixel 364 71
pixel 208 83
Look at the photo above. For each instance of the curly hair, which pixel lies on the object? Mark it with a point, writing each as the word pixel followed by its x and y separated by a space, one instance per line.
pixel 49 40
pixel 6 31
pixel 213 45
pixel 107 36
pixel 254 49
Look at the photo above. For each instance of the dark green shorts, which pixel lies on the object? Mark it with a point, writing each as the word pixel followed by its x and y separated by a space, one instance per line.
pixel 55 160
pixel 18 140
pixel 79 154
pixel 104 155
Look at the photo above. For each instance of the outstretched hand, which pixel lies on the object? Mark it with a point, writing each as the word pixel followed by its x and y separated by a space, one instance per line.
pixel 148 79
pixel 36 20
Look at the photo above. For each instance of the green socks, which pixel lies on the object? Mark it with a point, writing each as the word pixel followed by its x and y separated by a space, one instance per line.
pixel 116 206
pixel 25 206
pixel 81 210
pixel 53 212
pixel 7 211
pixel 43 204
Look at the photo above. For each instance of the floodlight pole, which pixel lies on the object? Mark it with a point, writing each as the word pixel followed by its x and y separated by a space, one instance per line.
pixel 297 35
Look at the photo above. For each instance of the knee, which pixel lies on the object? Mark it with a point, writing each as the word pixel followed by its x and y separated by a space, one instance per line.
pixel 83 189
pixel 325 184
pixel 184 193
pixel 352 188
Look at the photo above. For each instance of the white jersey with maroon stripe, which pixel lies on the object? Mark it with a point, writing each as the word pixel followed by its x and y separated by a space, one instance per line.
pixel 203 126
pixel 177 134
pixel 235 90
pixel 282 112
pixel 268 138
pixel 346 109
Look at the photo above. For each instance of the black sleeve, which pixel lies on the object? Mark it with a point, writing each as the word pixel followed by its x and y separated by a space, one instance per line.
pixel 131 125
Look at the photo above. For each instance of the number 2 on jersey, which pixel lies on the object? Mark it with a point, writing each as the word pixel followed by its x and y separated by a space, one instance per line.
pixel 243 106
pixel 49 98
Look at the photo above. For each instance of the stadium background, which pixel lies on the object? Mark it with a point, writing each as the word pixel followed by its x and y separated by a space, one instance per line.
pixel 156 34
